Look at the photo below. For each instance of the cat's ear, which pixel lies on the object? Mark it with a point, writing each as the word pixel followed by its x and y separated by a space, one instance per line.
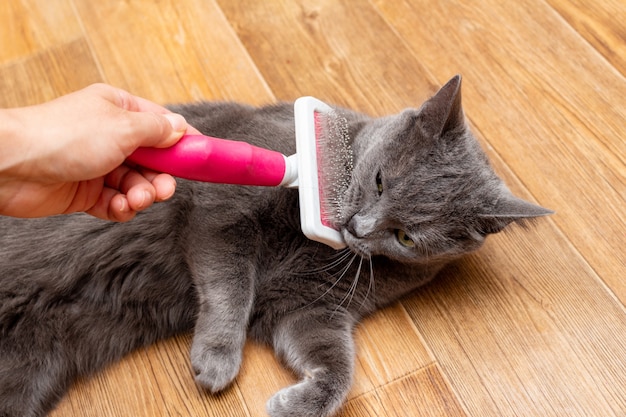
pixel 443 111
pixel 509 209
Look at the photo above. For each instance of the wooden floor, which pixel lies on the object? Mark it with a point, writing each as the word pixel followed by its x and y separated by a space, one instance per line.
pixel 532 325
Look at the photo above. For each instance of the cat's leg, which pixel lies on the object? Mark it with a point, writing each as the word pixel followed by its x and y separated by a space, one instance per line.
pixel 319 347
pixel 225 292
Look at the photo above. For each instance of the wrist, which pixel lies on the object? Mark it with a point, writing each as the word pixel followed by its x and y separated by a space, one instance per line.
pixel 10 143
pixel 16 142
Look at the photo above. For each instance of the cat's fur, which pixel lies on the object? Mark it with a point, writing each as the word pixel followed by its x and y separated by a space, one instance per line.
pixel 230 261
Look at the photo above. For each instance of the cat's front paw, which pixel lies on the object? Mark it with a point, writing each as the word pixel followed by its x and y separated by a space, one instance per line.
pixel 313 397
pixel 215 367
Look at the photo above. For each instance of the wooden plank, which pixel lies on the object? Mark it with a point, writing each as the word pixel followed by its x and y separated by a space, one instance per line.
pixel 547 103
pixel 423 393
pixel 601 23
pixel 31 26
pixel 171 51
pixel 261 376
pixel 388 347
pixel 153 382
pixel 365 406
pixel 339 51
pixel 44 76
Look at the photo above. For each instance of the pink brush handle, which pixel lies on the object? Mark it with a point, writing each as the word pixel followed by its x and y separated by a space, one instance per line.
pixel 203 158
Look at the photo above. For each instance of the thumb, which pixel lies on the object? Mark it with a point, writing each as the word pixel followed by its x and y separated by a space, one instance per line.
pixel 155 130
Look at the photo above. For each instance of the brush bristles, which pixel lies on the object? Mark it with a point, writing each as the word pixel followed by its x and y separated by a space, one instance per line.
pixel 335 163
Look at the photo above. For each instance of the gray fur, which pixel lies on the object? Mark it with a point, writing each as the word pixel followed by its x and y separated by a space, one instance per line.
pixel 230 261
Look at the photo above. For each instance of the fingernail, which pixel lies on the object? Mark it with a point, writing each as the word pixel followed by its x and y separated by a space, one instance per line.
pixel 170 192
pixel 146 200
pixel 123 205
pixel 178 122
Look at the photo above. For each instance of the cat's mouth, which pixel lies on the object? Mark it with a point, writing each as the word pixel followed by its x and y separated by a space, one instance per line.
pixel 356 244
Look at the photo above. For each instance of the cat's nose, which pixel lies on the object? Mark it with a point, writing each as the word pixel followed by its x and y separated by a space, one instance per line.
pixel 360 226
pixel 351 227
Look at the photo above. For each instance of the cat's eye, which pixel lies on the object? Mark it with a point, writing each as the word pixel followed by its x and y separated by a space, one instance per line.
pixel 379 183
pixel 404 239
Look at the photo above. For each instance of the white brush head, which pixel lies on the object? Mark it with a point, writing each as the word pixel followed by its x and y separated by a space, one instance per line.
pixel 324 168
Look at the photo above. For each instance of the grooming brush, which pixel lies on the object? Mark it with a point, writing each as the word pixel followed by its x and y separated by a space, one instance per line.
pixel 320 168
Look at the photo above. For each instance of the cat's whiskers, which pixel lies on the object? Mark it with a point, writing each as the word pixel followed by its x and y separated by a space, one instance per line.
pixel 339 275
pixel 341 256
pixel 342 274
pixel 352 290
pixel 348 257
pixel 371 286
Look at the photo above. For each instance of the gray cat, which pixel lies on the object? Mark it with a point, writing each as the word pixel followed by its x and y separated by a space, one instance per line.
pixel 230 261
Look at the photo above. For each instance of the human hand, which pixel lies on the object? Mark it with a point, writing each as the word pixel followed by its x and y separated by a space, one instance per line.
pixel 67 155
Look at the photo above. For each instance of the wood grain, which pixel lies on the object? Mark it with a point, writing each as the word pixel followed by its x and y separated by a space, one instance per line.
pixel 533 323
pixel 150 382
pixel 178 50
pixel 601 24
pixel 387 345
pixel 337 50
pixel 29 26
pixel 44 75
pixel 423 393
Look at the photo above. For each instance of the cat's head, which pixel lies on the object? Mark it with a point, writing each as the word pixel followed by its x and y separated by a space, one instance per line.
pixel 422 189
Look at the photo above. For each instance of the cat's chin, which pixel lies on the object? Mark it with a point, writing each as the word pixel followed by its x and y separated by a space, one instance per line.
pixel 356 245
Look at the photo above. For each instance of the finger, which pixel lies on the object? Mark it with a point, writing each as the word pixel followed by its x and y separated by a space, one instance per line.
pixel 150 129
pixel 141 195
pixel 164 184
pixel 112 205
pixel 147 123
pixel 83 195
pixel 119 209
pixel 115 178
pixel 139 191
pixel 139 104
